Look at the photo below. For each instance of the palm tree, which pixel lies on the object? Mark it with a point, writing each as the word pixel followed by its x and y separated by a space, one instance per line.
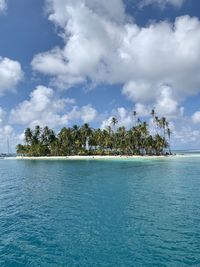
pixel 36 134
pixel 157 123
pixel 114 121
pixel 138 121
pixel 109 129
pixel 76 138
pixel 121 139
pixel 143 128
pixel 153 114
pixel 28 136
pixel 108 139
pixel 163 125
pixel 65 140
pixel 21 150
pixel 169 137
pixel 149 145
pixel 47 136
pixel 70 141
pixel 135 117
pixel 95 139
pixel 86 132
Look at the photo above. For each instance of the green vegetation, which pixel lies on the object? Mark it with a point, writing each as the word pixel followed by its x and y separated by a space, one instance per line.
pixel 88 141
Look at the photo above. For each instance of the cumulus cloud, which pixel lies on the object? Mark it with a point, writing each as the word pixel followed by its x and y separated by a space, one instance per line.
pixel 166 105
pixel 162 3
pixel 139 91
pixel 196 117
pixel 7 134
pixel 10 74
pixel 44 108
pixel 88 113
pixel 2 116
pixel 101 47
pixel 142 110
pixel 186 137
pixel 3 5
pixel 60 10
pixel 157 65
pixel 85 113
pixel 86 34
pixel 124 118
pixel 163 99
pixel 8 139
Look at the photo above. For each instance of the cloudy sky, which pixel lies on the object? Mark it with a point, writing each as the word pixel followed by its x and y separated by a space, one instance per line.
pixel 64 62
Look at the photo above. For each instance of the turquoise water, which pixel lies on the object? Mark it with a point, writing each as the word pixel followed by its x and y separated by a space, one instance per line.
pixel 100 213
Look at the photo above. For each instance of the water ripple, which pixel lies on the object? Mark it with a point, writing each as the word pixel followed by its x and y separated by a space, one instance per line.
pixel 98 213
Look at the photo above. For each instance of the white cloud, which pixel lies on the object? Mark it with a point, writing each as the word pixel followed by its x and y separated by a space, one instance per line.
pixel 196 117
pixel 158 65
pixel 124 118
pixel 7 134
pixel 2 116
pixel 85 113
pixel 164 54
pixel 166 105
pixel 186 137
pixel 104 48
pixel 162 100
pixel 142 110
pixel 44 108
pixel 86 36
pixel 3 5
pixel 60 10
pixel 139 91
pixel 88 113
pixel 10 74
pixel 162 3
pixel 8 139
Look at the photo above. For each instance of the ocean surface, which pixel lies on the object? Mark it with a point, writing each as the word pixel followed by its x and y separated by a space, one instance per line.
pixel 100 213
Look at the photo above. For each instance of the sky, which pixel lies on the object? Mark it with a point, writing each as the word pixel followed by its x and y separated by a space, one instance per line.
pixel 66 62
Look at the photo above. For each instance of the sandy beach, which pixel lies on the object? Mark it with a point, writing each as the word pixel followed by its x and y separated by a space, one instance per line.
pixel 97 157
pixel 90 157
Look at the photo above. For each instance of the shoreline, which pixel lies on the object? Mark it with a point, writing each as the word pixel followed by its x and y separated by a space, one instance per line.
pixel 76 157
pixel 105 157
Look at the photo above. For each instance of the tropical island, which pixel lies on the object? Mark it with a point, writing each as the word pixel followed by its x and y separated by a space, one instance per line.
pixel 111 141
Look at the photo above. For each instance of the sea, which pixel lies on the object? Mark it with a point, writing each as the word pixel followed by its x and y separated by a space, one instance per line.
pixel 123 212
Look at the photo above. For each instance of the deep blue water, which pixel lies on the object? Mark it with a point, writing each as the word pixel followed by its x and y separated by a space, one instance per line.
pixel 100 213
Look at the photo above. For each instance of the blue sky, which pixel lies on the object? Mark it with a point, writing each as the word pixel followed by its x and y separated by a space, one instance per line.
pixel 64 62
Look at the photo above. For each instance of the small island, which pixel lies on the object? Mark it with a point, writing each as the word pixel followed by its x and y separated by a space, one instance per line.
pixel 87 141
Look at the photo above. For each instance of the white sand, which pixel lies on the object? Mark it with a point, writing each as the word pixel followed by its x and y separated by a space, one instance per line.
pixel 90 157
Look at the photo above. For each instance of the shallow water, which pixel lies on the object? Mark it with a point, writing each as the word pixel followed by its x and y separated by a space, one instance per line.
pixel 100 213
